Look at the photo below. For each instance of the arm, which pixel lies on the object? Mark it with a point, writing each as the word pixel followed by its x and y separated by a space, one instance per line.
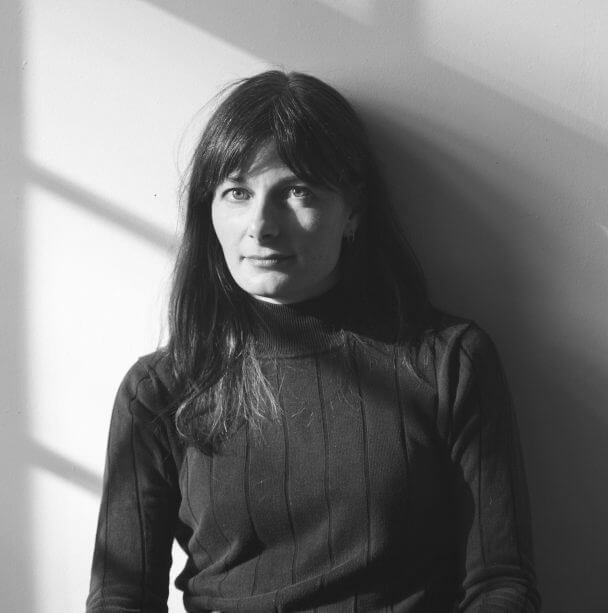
pixel 492 515
pixel 139 505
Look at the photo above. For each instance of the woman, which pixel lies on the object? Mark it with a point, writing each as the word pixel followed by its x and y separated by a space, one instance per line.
pixel 315 435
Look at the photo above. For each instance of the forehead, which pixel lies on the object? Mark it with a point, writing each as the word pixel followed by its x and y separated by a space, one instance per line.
pixel 265 161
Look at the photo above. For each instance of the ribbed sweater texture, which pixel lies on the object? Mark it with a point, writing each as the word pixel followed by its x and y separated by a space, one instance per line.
pixel 381 487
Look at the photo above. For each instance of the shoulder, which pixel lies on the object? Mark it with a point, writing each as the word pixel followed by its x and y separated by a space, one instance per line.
pixel 142 419
pixel 457 335
pixel 466 359
pixel 147 389
pixel 454 349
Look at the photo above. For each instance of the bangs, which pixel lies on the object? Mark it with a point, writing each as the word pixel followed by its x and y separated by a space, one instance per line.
pixel 308 139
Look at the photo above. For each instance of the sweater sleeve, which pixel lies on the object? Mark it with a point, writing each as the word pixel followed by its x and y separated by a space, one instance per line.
pixel 132 556
pixel 491 505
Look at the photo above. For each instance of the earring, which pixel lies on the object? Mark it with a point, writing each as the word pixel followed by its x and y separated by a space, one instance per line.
pixel 349 236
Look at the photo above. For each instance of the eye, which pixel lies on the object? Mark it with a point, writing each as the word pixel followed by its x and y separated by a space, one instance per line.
pixel 300 192
pixel 236 193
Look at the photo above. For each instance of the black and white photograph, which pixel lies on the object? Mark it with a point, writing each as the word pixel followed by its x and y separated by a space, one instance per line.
pixel 304 306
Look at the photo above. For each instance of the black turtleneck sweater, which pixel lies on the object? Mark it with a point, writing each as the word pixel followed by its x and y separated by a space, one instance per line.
pixel 382 487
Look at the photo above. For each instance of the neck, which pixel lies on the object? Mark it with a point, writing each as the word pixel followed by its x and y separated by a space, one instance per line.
pixel 301 327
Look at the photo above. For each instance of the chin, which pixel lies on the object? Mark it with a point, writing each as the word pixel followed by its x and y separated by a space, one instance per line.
pixel 274 295
pixel 276 288
pixel 265 292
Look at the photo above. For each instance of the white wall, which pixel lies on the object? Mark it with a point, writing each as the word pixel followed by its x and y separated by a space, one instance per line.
pixel 492 118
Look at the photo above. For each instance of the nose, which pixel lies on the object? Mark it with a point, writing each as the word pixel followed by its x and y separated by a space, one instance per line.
pixel 263 223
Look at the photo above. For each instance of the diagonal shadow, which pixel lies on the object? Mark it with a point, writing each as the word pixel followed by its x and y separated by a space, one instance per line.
pixel 296 33
pixel 61 467
pixel 101 207
pixel 388 50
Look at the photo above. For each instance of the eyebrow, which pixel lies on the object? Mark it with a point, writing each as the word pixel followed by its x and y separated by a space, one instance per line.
pixel 235 178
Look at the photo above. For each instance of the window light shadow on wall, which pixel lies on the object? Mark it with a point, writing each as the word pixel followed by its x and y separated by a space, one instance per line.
pixel 99 206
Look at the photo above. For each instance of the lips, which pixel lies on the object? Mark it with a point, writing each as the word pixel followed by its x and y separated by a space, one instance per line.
pixel 267 261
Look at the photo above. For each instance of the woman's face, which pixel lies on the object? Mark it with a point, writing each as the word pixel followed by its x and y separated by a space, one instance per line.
pixel 281 236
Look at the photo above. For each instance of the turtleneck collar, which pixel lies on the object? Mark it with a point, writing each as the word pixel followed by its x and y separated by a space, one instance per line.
pixel 300 328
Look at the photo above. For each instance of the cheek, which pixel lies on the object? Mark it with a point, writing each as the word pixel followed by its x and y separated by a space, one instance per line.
pixel 324 240
pixel 224 229
pixel 216 223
